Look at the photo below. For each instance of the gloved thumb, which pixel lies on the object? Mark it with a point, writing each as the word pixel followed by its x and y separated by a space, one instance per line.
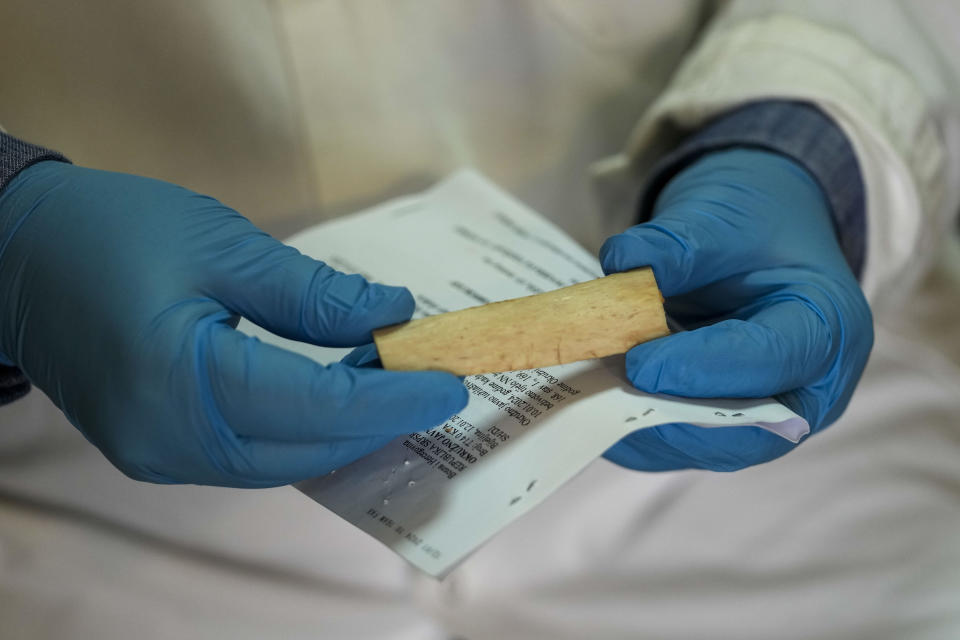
pixel 685 252
pixel 719 218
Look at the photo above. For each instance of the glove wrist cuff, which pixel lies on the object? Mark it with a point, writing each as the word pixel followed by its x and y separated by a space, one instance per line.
pixel 15 156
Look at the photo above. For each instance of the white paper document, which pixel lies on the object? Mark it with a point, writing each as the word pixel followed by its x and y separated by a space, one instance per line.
pixel 437 495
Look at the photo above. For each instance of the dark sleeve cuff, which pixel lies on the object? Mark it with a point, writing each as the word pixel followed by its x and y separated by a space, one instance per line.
pixel 799 131
pixel 15 156
pixel 13 384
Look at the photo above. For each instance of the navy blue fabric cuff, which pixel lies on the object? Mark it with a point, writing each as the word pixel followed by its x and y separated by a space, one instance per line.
pixel 803 133
pixel 15 156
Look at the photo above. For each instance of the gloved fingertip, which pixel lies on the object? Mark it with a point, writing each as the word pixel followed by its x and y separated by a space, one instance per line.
pixel 715 361
pixel 349 308
pixel 647 368
pixel 615 255
pixel 398 302
pixel 651 245
pixel 454 390
pixel 454 393
pixel 426 398
pixel 352 293
pixel 383 305
pixel 640 452
pixel 685 446
pixel 364 356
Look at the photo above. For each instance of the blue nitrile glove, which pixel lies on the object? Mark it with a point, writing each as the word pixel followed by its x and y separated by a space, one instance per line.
pixel 120 295
pixel 743 247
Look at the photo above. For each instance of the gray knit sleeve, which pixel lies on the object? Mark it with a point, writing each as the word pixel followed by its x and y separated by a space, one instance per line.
pixel 15 156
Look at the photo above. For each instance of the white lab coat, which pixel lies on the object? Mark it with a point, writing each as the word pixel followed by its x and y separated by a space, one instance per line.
pixel 295 111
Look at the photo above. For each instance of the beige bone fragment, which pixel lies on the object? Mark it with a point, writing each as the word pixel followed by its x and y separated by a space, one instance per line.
pixel 588 320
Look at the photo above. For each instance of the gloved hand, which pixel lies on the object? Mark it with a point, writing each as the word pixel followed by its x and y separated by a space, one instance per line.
pixel 120 295
pixel 743 247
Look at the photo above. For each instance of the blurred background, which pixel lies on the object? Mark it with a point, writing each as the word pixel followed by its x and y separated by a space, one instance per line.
pixel 295 112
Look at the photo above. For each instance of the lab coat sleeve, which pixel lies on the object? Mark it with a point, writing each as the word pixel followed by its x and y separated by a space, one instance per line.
pixel 15 156
pixel 880 69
